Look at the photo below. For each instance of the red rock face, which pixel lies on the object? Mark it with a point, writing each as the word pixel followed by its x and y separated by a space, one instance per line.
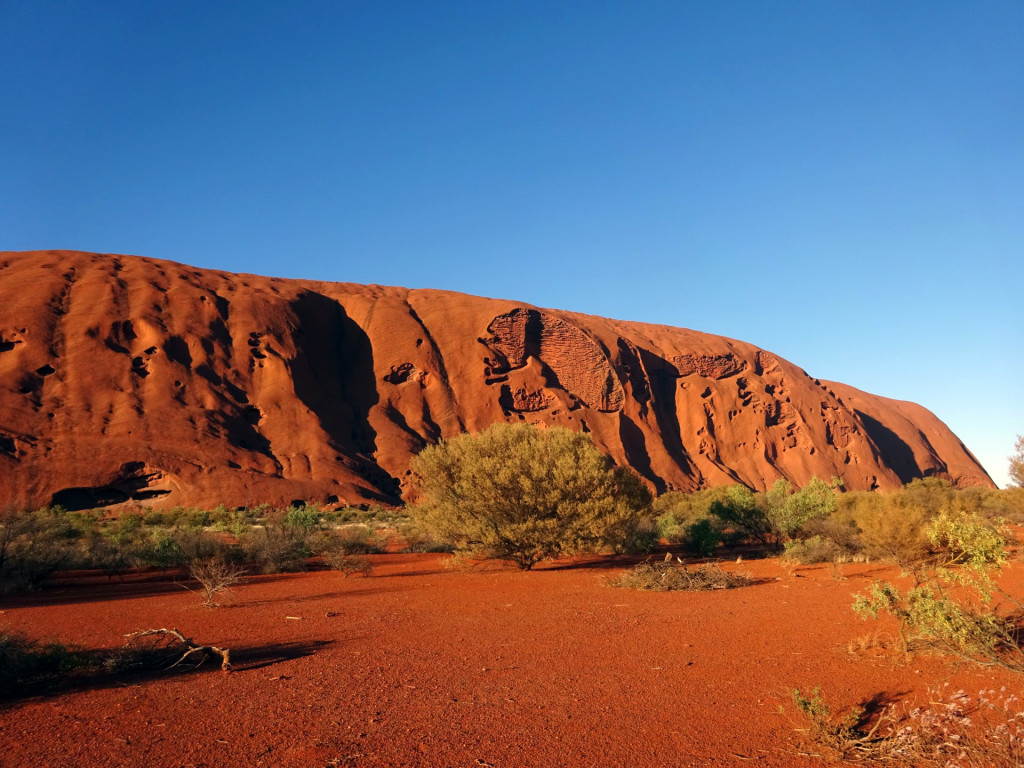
pixel 133 380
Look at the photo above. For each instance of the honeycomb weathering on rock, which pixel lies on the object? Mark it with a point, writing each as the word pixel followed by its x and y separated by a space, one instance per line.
pixel 126 380
pixel 523 400
pixel 709 366
pixel 580 366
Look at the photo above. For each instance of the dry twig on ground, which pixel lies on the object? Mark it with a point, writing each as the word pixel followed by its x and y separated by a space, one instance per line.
pixel 190 647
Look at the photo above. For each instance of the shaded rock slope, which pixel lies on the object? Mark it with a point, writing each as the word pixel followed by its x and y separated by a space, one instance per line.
pixel 133 380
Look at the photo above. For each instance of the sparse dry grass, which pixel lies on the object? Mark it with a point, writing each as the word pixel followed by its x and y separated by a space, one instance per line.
pixel 348 564
pixel 953 730
pixel 669 575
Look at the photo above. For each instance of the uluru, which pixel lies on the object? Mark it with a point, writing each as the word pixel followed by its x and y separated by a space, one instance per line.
pixel 129 380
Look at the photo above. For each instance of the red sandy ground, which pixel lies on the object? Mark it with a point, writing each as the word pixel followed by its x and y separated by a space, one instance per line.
pixel 420 666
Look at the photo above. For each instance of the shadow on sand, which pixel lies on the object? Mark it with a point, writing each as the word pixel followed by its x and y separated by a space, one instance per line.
pixel 133 665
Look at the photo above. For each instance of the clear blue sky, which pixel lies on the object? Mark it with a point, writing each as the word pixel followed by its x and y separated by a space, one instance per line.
pixel 839 182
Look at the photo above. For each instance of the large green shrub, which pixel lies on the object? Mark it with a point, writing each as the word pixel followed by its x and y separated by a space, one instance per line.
pixel 526 494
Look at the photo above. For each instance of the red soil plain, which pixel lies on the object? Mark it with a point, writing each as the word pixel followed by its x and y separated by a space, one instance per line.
pixel 424 666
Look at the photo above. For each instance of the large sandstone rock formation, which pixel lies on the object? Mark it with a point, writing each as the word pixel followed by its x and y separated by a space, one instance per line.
pixel 125 379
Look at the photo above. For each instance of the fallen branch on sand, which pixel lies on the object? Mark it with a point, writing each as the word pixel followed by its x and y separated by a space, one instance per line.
pixel 190 647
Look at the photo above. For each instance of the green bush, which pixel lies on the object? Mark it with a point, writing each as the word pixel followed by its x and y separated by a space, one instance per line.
pixel 277 547
pixel 703 537
pixel 952 606
pixel 33 545
pixel 814 549
pixel 25 663
pixel 417 539
pixel 895 531
pixel 160 550
pixel 686 518
pixel 642 540
pixel 789 515
pixel 355 539
pixel 307 518
pixel 525 494
pixel 739 510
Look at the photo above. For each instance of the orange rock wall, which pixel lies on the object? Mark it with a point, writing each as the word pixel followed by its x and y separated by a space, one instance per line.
pixel 132 380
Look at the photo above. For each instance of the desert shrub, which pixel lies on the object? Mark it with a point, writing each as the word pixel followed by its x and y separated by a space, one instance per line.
pixel 418 539
pixel 777 515
pixel 703 537
pixel 844 734
pixel 346 515
pixel 525 494
pixel 841 530
pixel 739 510
pixel 814 549
pixel 670 575
pixel 25 663
pixel 216 575
pixel 1017 463
pixel 307 518
pixel 275 548
pixel 160 550
pixel 285 539
pixel 102 553
pixel 686 518
pixel 348 564
pixel 675 511
pixel 642 540
pixel 932 493
pixel 33 545
pixel 953 606
pixel 352 539
pixel 893 530
pixel 127 529
pixel 789 516
pixel 202 545
pixel 171 517
pixel 995 504
pixel 237 522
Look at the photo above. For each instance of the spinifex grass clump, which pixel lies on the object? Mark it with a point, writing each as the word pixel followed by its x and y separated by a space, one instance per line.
pixel 670 575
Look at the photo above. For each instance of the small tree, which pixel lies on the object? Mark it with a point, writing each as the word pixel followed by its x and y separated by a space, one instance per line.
pixel 215 575
pixel 525 494
pixel 1017 463
pixel 739 510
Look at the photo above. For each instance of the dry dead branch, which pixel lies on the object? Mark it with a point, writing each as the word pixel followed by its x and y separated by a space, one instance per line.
pixel 215 575
pixel 190 647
